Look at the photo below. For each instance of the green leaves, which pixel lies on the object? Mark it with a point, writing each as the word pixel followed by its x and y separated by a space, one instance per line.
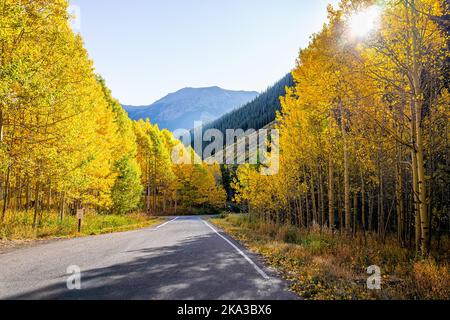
pixel 127 190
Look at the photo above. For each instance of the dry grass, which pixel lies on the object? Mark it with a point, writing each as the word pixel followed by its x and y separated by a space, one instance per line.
pixel 324 266
pixel 17 226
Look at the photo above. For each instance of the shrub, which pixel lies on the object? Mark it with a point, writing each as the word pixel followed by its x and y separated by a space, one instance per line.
pixel 431 281
pixel 287 234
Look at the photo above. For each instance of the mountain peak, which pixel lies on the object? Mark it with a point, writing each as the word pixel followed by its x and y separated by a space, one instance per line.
pixel 182 108
pixel 202 88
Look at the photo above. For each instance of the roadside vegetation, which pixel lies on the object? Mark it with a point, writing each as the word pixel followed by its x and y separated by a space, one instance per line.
pixel 19 225
pixel 322 265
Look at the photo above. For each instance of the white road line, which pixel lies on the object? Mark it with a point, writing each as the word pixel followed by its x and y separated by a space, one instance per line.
pixel 258 269
pixel 166 223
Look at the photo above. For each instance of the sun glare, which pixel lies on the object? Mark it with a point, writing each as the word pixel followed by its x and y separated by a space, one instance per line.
pixel 363 22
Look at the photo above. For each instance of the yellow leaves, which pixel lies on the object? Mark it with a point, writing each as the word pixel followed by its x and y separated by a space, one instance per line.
pixel 209 190
pixel 61 127
pixel 189 181
pixel 431 281
pixel 349 117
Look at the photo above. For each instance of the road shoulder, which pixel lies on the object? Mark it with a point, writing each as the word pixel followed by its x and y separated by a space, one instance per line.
pixel 261 262
pixel 7 246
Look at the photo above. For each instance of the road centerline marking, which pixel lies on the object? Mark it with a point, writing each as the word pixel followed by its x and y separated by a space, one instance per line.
pixel 258 269
pixel 166 223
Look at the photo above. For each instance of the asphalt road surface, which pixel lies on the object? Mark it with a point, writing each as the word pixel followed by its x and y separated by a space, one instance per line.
pixel 182 259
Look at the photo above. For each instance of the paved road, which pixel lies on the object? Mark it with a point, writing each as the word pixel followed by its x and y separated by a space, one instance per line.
pixel 183 259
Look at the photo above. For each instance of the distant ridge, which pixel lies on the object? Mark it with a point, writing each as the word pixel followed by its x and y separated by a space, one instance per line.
pixel 256 114
pixel 182 108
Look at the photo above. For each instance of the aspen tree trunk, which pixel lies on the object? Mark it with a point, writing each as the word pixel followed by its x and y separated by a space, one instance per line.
pixel 6 193
pixel 331 192
pixel 363 209
pixel 148 184
pixel 381 208
pixel 423 211
pixel 340 213
pixel 16 194
pixel 49 195
pixel 2 185
pixel 363 204
pixel 380 193
pixel 348 223
pixel 300 212
pixel 331 204
pixel 321 199
pixel 408 216
pixel 1 126
pixel 176 201
pixel 416 200
pixel 417 105
pixel 415 184
pixel 307 204
pixel 294 213
pixel 19 189
pixel 313 199
pixel 41 211
pixel 27 196
pixel 164 201
pixel 355 212
pixel 36 204
pixel 431 192
pixel 148 197
pixel 371 208
pixel 398 198
pixel 5 190
pixel 63 202
pixel 13 191
pixel 154 186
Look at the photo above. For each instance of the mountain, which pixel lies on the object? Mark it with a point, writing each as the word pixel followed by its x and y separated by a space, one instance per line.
pixel 182 108
pixel 256 114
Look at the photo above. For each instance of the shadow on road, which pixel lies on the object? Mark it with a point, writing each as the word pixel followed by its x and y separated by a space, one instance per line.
pixel 201 267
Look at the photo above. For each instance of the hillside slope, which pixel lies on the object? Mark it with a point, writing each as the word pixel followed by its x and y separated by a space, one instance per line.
pixel 182 108
pixel 256 114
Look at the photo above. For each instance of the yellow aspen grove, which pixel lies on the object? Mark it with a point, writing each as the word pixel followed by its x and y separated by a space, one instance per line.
pixel 360 109
pixel 369 108
pixel 65 142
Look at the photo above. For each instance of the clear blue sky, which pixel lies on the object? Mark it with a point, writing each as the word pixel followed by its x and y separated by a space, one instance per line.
pixel 146 49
